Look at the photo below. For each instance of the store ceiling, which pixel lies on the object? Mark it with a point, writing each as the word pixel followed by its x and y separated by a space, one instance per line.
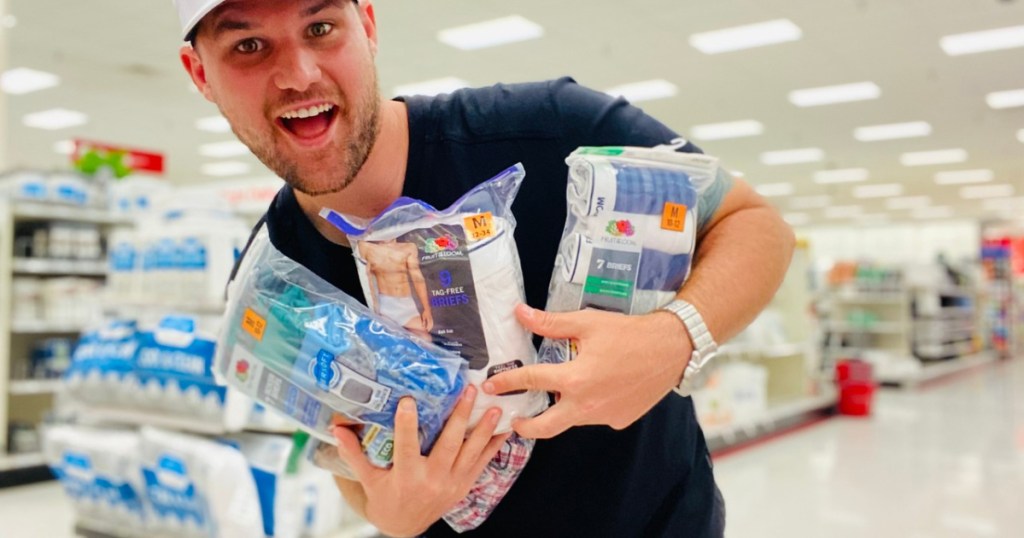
pixel 118 63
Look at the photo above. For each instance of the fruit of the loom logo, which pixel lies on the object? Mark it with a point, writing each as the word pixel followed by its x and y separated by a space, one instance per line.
pixel 619 228
pixel 242 370
pixel 445 242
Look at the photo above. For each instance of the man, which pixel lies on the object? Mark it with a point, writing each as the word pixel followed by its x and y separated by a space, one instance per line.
pixel 391 266
pixel 296 80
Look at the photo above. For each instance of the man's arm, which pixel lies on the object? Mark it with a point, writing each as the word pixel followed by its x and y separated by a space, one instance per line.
pixel 740 261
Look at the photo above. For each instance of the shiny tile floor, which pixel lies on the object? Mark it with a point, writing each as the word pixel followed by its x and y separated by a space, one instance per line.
pixel 941 461
pixel 945 460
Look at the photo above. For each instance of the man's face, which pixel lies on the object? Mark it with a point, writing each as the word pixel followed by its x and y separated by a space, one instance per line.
pixel 296 80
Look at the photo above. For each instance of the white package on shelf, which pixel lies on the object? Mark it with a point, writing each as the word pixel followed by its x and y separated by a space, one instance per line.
pixel 99 471
pixel 27 185
pixel 280 491
pixel 197 488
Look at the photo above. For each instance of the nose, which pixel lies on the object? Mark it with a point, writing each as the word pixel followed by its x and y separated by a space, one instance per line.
pixel 297 69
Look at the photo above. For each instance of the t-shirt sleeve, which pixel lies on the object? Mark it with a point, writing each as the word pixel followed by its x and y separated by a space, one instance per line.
pixel 591 118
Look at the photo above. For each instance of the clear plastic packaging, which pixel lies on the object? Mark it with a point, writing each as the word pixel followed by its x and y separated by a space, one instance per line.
pixel 630 232
pixel 300 346
pixel 453 276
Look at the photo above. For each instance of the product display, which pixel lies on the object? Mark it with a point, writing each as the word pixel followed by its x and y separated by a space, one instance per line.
pixel 197 487
pixel 99 470
pixel 298 345
pixel 453 276
pixel 161 368
pixel 630 232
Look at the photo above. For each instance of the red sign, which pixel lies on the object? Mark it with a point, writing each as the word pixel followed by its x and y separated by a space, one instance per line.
pixel 136 159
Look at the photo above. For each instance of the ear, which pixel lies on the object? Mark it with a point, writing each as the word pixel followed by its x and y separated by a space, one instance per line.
pixel 369 20
pixel 194 66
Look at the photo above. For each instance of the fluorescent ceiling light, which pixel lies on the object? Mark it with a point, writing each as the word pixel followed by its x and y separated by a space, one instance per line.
pixel 892 131
pixel 64 147
pixel 880 190
pixel 984 41
pixel 774 189
pixel 1020 135
pixel 23 80
pixel 810 202
pixel 224 168
pixel 792 156
pixel 1005 99
pixel 1004 204
pixel 796 219
pixel 939 156
pixel 842 175
pixel 842 211
pixel 977 192
pixel 936 212
pixel 746 37
pixel 737 173
pixel 828 95
pixel 732 129
pixel 432 87
pixel 8 21
pixel 647 90
pixel 908 202
pixel 230 148
pixel 55 118
pixel 214 124
pixel 873 218
pixel 964 177
pixel 491 33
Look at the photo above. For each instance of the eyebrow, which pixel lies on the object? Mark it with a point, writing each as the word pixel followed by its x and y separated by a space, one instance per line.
pixel 225 25
pixel 320 7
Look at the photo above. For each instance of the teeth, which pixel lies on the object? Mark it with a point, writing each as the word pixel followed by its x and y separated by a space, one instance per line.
pixel 307 112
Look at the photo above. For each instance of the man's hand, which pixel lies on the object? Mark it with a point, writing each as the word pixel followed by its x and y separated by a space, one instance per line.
pixel 625 365
pixel 418 490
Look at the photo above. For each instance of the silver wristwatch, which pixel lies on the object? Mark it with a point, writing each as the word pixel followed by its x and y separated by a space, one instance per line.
pixel 704 346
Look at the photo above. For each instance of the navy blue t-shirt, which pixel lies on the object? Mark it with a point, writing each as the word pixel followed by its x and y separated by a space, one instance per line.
pixel 651 479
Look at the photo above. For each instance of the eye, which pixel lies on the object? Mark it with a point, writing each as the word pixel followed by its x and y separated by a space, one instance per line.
pixel 320 29
pixel 249 46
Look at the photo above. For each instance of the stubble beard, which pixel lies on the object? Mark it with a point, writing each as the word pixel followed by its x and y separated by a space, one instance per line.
pixel 333 168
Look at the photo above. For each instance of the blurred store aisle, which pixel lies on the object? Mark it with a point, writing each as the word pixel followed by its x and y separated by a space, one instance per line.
pixel 942 460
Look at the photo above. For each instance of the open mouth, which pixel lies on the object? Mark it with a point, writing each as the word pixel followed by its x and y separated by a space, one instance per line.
pixel 308 123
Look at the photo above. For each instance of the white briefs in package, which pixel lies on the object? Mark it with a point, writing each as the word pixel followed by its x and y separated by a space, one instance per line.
pixel 453 277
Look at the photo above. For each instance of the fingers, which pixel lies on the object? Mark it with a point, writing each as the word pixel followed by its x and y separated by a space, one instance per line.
pixel 553 325
pixel 407 439
pixel 350 450
pixel 546 377
pixel 548 424
pixel 450 441
pixel 477 441
pixel 492 448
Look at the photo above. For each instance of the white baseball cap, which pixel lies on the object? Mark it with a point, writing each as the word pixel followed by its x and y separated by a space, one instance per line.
pixel 192 11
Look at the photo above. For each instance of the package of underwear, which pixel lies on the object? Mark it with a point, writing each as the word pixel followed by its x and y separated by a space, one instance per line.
pixel 453 277
pixel 300 346
pixel 630 231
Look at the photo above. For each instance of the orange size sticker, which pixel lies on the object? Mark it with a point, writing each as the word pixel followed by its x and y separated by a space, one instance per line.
pixel 480 226
pixel 254 324
pixel 673 217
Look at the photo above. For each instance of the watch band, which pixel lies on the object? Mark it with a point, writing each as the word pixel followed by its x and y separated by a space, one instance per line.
pixel 704 346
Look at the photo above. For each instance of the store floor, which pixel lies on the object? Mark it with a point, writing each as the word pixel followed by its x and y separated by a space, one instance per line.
pixel 941 461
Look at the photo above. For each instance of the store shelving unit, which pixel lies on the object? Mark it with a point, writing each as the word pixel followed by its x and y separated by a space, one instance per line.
pixel 28 400
pixel 782 346
pixel 910 332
